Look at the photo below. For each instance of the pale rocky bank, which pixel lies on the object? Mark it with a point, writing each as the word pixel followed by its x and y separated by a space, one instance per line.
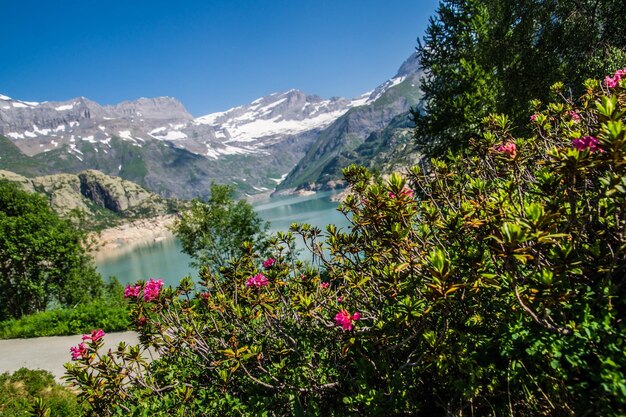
pixel 116 240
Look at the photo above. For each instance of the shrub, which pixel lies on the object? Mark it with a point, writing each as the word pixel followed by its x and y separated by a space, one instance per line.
pixel 491 283
pixel 25 390
pixel 109 312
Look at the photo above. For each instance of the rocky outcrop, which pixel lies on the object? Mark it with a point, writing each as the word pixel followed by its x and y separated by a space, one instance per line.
pixel 102 198
pixel 63 191
pixel 112 193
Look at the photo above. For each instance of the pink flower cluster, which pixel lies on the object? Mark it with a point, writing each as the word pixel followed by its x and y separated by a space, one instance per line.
pixel 574 116
pixel 258 280
pixel 268 263
pixel 508 148
pixel 325 285
pixel 345 320
pixel 588 142
pixel 132 291
pixel 151 290
pixel 94 336
pixel 533 118
pixel 405 192
pixel 79 351
pixel 612 82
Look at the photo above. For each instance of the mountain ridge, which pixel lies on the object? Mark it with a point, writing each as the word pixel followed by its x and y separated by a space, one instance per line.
pixel 158 144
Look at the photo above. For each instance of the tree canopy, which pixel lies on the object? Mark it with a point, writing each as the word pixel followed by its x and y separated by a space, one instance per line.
pixel 214 231
pixel 43 260
pixel 492 56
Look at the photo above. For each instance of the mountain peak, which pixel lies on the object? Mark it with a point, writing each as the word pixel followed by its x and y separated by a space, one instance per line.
pixel 410 66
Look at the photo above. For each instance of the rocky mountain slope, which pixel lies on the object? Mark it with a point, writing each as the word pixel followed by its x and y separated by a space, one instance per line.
pixel 102 200
pixel 159 145
pixel 339 144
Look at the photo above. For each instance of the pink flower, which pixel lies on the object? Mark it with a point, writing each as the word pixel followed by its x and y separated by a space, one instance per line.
pixel 588 142
pixel 325 285
pixel 79 351
pixel 612 82
pixel 94 336
pixel 574 116
pixel 141 321
pixel 508 148
pixel 339 299
pixel 205 295
pixel 132 291
pixel 269 263
pixel 533 118
pixel 345 320
pixel 258 280
pixel 151 289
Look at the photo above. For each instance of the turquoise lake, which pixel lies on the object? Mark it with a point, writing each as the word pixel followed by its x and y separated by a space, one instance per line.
pixel 165 260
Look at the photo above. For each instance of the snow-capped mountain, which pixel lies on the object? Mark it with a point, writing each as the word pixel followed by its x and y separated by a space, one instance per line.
pixel 287 113
pixel 155 141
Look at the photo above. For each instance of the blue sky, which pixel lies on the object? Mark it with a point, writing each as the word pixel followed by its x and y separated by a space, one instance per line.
pixel 210 55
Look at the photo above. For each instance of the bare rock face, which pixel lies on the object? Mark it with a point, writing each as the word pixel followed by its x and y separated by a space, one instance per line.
pixel 23 182
pixel 70 192
pixel 112 193
pixel 63 191
pixel 159 108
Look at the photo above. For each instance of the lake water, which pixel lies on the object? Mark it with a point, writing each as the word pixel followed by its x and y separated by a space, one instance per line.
pixel 165 260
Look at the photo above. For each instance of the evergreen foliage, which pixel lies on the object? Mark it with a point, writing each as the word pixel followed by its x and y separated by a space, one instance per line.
pixel 492 56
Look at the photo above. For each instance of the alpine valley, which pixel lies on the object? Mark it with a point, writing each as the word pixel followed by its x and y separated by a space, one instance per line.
pixel 284 141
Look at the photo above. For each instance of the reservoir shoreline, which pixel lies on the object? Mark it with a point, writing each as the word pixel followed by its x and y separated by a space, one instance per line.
pixel 115 241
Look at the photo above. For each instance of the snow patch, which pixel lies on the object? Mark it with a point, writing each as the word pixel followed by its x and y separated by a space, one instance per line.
pixel 125 134
pixel 157 130
pixel 65 107
pixel 15 135
pixel 172 135
pixel 3 97
pixel 281 179
pixel 73 148
pixel 40 131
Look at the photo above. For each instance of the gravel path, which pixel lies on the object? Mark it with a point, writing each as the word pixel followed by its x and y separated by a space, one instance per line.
pixel 50 353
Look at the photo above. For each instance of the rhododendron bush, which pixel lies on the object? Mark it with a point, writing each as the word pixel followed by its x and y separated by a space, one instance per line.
pixel 491 283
